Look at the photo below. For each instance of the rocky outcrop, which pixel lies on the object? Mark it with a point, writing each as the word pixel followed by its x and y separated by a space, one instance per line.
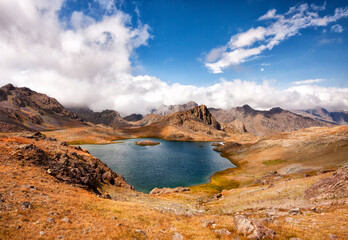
pixel 28 109
pixel 68 164
pixel 160 191
pixel 199 113
pixel 261 123
pixel 251 228
pixel 334 186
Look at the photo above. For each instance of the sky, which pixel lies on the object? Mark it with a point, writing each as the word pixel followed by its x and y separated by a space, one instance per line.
pixel 133 56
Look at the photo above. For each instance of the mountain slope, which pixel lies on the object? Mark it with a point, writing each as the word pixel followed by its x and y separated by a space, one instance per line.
pixel 106 117
pixel 24 109
pixel 263 123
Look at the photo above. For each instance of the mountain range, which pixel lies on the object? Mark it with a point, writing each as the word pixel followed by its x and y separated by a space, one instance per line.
pixel 24 109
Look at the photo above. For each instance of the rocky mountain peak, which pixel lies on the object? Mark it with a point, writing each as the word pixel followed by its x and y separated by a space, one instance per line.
pixel 276 110
pixel 8 87
pixel 200 113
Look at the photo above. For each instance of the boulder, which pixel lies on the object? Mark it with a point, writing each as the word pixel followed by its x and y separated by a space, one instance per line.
pixel 177 236
pixel 223 232
pixel 252 228
pixel 25 205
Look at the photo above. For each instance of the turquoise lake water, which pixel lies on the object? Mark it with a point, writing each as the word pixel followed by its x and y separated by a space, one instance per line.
pixel 170 164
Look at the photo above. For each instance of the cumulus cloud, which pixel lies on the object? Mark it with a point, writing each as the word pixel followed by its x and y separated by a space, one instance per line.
pixel 243 46
pixel 337 28
pixel 308 81
pixel 89 64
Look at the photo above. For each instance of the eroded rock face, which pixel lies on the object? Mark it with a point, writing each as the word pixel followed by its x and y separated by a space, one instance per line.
pixel 68 164
pixel 334 186
pixel 251 228
pixel 159 191
pixel 200 113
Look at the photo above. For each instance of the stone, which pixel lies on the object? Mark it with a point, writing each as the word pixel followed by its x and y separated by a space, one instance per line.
pixel 332 236
pixel 140 232
pixel 223 232
pixel 50 220
pixel 67 220
pixel 251 228
pixel 207 223
pixel 177 236
pixel 25 205
pixel 42 233
pixel 295 211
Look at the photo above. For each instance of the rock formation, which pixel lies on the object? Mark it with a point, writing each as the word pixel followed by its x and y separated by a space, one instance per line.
pixel 252 228
pixel 334 186
pixel 68 164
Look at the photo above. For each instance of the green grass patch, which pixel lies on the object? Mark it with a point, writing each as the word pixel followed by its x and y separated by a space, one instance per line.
pixel 218 182
pixel 273 162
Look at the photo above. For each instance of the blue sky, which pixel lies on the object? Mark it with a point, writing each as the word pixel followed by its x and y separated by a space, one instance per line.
pixel 132 56
pixel 183 32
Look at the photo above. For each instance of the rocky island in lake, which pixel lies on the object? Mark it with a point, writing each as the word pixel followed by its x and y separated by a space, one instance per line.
pixel 147 143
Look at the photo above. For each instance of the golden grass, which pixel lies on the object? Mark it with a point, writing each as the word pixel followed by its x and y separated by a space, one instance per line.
pixel 134 214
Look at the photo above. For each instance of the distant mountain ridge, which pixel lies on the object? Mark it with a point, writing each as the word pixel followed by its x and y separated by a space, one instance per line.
pixel 107 117
pixel 261 123
pixel 323 115
pixel 24 109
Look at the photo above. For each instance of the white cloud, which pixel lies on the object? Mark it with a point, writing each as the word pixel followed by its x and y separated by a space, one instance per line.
pixel 262 69
pixel 337 28
pixel 271 14
pixel 243 46
pixel 308 81
pixel 318 8
pixel 90 65
pixel 108 5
